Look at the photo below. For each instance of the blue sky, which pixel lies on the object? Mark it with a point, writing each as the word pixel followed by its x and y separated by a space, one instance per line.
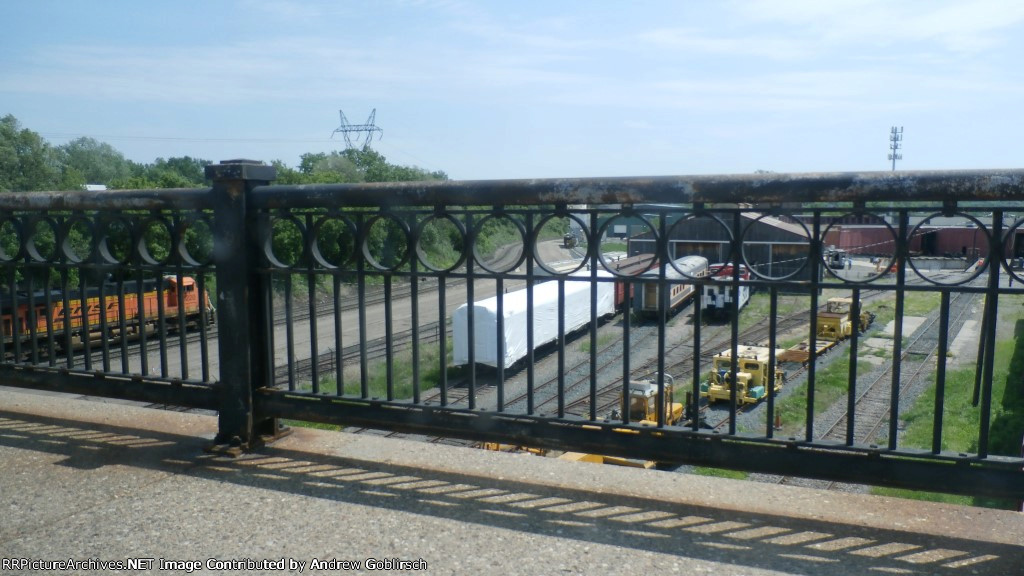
pixel 529 89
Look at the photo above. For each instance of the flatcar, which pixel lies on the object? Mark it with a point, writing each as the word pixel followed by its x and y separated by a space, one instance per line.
pixel 508 346
pixel 124 311
pixel 717 296
pixel 680 292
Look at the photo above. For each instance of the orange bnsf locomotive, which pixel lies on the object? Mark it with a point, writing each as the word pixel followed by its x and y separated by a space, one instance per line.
pixel 123 312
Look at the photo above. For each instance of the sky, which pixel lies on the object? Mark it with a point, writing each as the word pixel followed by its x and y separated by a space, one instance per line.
pixel 529 89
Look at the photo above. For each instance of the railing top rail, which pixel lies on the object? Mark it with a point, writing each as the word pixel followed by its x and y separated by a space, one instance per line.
pixel 163 199
pixel 945 186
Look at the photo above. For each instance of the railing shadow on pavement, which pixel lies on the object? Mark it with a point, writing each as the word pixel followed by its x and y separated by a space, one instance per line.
pixel 700 532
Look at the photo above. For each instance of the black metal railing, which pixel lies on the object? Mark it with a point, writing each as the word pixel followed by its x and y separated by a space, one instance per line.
pixel 860 335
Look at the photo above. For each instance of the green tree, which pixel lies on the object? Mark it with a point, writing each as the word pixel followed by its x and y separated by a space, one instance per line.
pixel 96 162
pixel 27 161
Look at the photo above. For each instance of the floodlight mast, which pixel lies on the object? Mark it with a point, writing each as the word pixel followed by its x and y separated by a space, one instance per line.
pixel 895 138
pixel 368 127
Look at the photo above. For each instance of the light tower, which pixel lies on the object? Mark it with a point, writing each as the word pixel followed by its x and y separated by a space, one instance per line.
pixel 895 137
pixel 347 129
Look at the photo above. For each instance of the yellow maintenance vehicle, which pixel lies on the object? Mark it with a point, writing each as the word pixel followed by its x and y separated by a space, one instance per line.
pixel 834 323
pixel 642 410
pixel 752 379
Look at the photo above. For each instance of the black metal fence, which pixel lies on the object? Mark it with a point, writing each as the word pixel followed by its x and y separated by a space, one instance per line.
pixel 868 334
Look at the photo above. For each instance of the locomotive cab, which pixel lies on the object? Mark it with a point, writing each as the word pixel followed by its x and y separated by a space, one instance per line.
pixel 643 403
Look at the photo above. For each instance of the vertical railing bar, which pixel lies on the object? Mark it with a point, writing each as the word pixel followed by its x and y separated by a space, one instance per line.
pixel 204 320
pixel 561 346
pixel 499 291
pixel 627 317
pixel 104 325
pixel 851 396
pixel 530 319
pixel 979 361
pixel 664 290
pixel 471 329
pixel 940 372
pixel 414 305
pixel 364 376
pixel 389 339
pixel 48 301
pixel 897 355
pixel 814 265
pixel 289 331
pixel 995 260
pixel 143 313
pixel 122 322
pixel 773 327
pixel 183 323
pixel 593 339
pixel 66 318
pixel 442 337
pixel 734 324
pixel 12 312
pixel 265 301
pixel 314 343
pixel 339 344
pixel 33 318
pixel 162 322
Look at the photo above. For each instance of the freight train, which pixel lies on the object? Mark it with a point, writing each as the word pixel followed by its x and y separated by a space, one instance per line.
pixel 125 310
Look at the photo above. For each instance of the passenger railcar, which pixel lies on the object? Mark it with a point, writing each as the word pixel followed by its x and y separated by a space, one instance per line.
pixel 716 298
pixel 123 312
pixel 680 292
pixel 629 267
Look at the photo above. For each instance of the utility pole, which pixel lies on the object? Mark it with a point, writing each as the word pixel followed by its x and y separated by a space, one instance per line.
pixel 347 129
pixel 895 137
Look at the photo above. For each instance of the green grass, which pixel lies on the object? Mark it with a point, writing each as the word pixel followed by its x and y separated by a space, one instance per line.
pixel 830 386
pixel 961 421
pixel 602 341
pixel 613 247
pixel 914 304
pixel 402 366
pixel 721 473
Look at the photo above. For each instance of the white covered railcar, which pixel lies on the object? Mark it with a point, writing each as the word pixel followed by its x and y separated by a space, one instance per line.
pixel 513 337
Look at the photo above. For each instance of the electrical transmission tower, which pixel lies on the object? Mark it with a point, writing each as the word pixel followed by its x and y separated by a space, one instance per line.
pixel 895 137
pixel 347 130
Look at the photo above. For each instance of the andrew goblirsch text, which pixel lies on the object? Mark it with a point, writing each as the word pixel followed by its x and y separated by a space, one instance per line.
pixel 291 565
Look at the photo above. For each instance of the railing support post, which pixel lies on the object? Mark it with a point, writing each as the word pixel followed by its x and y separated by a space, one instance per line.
pixel 240 294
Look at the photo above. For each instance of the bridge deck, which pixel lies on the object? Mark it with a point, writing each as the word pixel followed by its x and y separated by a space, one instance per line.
pixel 109 481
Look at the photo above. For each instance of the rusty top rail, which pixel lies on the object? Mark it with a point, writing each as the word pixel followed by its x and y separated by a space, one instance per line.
pixel 944 186
pixel 163 199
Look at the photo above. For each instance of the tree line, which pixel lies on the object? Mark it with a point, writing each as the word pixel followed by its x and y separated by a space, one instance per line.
pixel 29 163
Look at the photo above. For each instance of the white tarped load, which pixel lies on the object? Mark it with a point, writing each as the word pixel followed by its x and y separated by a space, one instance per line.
pixel 545 318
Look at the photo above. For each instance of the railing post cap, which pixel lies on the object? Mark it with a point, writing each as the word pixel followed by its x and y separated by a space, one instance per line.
pixel 241 169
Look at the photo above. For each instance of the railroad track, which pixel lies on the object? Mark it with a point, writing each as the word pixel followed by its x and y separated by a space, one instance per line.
pixel 873 403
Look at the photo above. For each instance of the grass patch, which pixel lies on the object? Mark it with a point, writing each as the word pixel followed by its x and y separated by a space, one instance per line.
pixel 602 341
pixel 830 385
pixel 402 378
pixel 721 473
pixel 961 421
pixel 613 247
pixel 914 304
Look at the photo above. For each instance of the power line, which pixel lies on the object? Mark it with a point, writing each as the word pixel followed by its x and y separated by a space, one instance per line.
pixel 182 139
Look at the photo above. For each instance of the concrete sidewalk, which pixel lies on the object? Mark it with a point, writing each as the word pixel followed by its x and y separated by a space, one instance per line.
pixel 108 482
